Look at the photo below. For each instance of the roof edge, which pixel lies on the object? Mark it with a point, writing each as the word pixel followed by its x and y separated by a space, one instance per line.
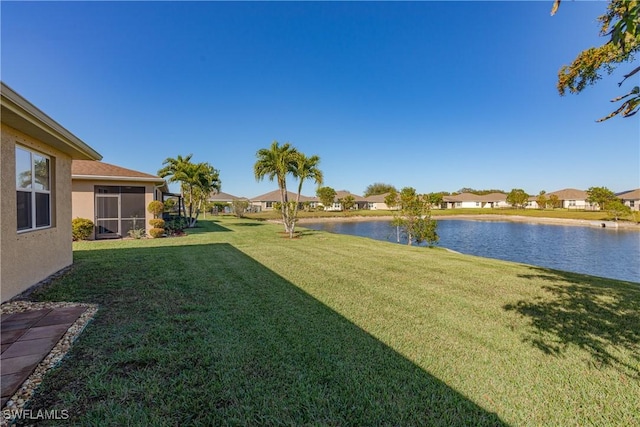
pixel 117 178
pixel 22 115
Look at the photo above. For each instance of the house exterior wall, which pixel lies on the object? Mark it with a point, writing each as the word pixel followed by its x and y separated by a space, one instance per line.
pixel 31 256
pixel 83 191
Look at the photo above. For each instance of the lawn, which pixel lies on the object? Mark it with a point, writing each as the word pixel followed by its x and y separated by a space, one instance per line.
pixel 236 325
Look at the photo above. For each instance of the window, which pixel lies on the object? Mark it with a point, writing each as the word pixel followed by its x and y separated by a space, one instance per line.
pixel 33 190
pixel 632 203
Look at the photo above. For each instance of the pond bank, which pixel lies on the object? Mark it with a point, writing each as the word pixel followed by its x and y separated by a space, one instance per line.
pixel 490 217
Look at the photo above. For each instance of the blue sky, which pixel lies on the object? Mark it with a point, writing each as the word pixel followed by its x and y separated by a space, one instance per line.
pixel 434 95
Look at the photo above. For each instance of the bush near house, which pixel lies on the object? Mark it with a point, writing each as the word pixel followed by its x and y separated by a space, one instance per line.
pixel 156 232
pixel 156 208
pixel 157 223
pixel 81 228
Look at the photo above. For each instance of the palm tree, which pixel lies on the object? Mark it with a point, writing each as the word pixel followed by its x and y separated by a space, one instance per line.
pixel 304 168
pixel 196 180
pixel 277 162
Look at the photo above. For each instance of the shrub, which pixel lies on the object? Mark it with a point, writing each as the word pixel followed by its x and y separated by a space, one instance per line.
pixel 157 222
pixel 81 228
pixel 156 232
pixel 137 233
pixel 156 208
pixel 175 225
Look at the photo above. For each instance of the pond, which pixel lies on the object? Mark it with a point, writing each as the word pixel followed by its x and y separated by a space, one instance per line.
pixel 604 252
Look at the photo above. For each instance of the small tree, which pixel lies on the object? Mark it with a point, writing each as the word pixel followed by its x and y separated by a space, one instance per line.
pixel 347 202
pixel 156 208
pixel 617 209
pixel 326 195
pixel 239 207
pixel 391 200
pixel 554 201
pixel 414 217
pixel 600 196
pixel 517 198
pixel 541 200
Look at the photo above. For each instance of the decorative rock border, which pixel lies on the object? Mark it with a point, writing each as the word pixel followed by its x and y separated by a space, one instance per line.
pixel 57 353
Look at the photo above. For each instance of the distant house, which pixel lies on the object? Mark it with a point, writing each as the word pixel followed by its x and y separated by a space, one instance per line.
pixel 35 189
pixel 631 199
pixel 359 201
pixel 113 197
pixel 376 202
pixel 570 198
pixel 267 201
pixel 470 200
pixel 226 199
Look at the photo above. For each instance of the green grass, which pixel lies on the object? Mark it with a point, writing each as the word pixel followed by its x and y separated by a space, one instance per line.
pixel 236 325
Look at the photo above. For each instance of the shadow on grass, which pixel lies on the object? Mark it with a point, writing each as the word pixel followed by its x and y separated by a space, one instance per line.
pixel 596 314
pixel 206 226
pixel 218 338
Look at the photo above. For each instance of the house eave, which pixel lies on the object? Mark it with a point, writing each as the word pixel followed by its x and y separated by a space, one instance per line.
pixel 117 178
pixel 23 116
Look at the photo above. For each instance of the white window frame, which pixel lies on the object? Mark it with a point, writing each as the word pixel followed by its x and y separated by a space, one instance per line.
pixel 34 191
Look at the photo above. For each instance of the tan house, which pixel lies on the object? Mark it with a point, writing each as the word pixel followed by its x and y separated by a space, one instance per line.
pixel 376 202
pixel 631 199
pixel 35 189
pixel 360 202
pixel 113 197
pixel 266 202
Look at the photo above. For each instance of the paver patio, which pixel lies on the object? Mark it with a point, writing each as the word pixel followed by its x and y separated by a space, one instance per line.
pixel 27 338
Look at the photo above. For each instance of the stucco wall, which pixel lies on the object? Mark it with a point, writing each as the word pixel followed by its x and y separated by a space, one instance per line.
pixel 84 197
pixel 29 257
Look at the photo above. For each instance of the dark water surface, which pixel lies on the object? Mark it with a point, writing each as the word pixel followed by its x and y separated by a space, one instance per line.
pixel 603 252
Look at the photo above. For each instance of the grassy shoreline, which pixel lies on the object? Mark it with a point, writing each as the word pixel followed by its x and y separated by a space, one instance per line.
pixel 234 324
pixel 562 217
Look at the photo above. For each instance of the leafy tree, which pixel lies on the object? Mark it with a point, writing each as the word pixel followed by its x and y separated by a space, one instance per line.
pixel 554 201
pixel 276 162
pixel 197 181
pixel 541 200
pixel 392 199
pixel 600 196
pixel 347 202
pixel 617 209
pixel 326 195
pixel 621 23
pixel 434 199
pixel 378 188
pixel 304 168
pixel 156 208
pixel 414 217
pixel 517 198
pixel 239 207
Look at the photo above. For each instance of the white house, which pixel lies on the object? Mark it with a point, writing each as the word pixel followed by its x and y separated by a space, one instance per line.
pixel 631 199
pixel 470 200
